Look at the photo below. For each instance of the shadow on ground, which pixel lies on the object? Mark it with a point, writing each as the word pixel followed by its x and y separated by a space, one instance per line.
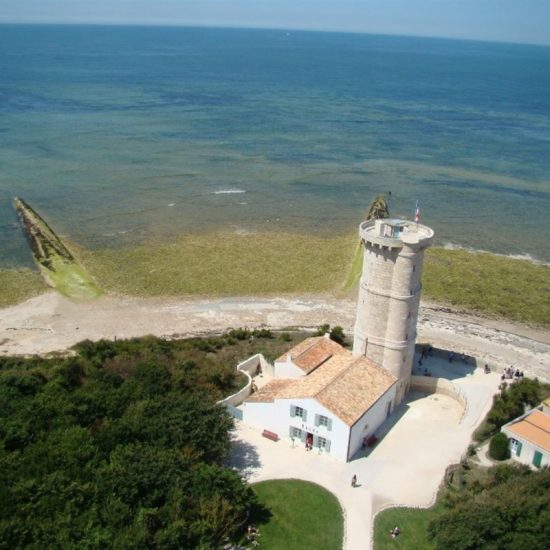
pixel 243 457
pixel 389 423
pixel 438 365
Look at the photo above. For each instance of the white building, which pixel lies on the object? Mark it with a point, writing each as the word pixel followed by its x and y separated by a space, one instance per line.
pixel 529 437
pixel 324 397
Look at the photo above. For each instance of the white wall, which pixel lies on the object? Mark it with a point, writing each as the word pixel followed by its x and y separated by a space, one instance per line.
pixel 249 367
pixel 286 369
pixel 275 417
pixel 371 420
pixel 527 451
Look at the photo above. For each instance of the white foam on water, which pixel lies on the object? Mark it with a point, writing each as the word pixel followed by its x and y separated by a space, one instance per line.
pixel 524 257
pixel 228 191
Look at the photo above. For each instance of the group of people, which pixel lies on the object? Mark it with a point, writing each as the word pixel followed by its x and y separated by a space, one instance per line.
pixel 394 532
pixel 511 373
pixel 251 533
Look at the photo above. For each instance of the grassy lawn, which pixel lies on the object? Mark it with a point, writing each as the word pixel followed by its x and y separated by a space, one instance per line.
pixel 303 516
pixel 493 285
pixel 413 524
pixel 229 264
pixel 225 264
pixel 18 285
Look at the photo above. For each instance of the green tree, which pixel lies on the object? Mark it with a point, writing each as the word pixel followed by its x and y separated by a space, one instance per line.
pixel 498 447
pixel 337 334
pixel 512 511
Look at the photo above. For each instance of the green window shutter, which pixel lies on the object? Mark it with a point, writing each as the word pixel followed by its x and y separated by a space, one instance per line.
pixel 292 410
pixel 537 459
pixel 304 416
pixel 518 448
pixel 327 446
pixel 291 431
pixel 315 441
pixel 329 424
pixel 317 420
pixel 303 436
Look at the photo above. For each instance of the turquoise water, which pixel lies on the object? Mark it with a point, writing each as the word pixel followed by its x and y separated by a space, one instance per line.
pixel 119 135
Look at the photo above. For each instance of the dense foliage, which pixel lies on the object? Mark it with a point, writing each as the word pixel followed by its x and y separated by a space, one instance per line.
pixel 120 446
pixel 498 447
pixel 507 511
pixel 512 402
pixel 336 333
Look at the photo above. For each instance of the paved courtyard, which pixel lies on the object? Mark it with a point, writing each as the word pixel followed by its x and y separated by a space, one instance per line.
pixel 423 436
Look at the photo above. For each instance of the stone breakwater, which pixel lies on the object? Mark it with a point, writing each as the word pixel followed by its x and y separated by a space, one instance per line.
pixel 57 264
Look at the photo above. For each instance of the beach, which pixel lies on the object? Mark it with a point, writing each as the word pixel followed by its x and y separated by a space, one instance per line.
pixel 51 323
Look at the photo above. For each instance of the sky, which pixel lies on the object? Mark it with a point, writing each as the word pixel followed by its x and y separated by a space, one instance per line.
pixel 526 21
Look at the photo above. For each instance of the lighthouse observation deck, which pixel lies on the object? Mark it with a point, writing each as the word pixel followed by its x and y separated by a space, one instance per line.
pixel 395 233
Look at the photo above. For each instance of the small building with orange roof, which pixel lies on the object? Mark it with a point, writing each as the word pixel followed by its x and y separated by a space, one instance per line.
pixel 529 437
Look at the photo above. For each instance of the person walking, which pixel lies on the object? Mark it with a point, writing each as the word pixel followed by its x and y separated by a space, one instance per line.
pixel 354 481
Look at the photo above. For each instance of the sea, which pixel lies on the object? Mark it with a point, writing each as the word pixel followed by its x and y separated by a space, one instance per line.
pixel 123 135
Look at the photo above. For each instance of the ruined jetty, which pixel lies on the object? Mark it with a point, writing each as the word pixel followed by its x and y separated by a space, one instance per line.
pixel 59 267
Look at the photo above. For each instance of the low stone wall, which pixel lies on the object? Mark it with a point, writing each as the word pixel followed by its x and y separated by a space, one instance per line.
pixel 430 384
pixel 249 368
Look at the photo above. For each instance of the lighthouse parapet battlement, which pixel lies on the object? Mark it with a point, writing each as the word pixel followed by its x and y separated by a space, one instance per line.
pixel 395 233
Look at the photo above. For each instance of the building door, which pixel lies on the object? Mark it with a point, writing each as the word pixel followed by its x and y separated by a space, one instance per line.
pixel 537 459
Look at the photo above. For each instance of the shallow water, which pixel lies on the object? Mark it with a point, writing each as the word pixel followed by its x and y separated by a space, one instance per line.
pixel 118 135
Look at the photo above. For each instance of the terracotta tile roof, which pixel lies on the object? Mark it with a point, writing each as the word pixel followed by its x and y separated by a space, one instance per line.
pixel 356 390
pixel 312 352
pixel 535 428
pixel 346 385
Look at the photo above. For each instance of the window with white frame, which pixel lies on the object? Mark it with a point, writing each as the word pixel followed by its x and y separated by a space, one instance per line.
pixel 297 433
pixel 323 420
pixel 298 411
pixel 321 442
pixel 515 446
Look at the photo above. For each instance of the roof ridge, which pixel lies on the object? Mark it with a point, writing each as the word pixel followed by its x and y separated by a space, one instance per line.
pixel 317 340
pixel 528 420
pixel 341 373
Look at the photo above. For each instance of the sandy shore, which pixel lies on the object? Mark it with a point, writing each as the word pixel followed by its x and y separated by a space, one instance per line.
pixel 50 323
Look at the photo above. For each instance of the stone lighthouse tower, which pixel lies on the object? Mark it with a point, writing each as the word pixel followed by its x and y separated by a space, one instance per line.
pixel 389 295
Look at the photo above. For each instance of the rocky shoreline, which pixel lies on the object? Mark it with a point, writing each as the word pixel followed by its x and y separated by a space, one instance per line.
pixel 53 323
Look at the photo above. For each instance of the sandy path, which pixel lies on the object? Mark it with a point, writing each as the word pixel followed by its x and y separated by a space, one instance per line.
pixel 51 322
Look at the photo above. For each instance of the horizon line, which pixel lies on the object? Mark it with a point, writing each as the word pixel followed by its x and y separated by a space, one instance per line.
pixel 172 24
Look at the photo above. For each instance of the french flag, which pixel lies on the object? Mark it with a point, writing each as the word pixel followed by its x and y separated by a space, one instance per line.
pixel 417 213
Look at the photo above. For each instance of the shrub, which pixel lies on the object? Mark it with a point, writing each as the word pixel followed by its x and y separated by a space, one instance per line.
pixel 285 337
pixel 239 333
pixel 323 329
pixel 262 333
pixel 337 334
pixel 498 447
